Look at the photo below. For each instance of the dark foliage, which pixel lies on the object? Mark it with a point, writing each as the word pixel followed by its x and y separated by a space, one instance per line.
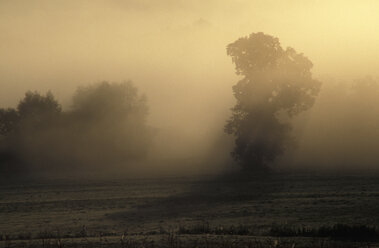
pixel 276 85
pixel 24 128
pixel 38 109
pixel 9 119
pixel 105 127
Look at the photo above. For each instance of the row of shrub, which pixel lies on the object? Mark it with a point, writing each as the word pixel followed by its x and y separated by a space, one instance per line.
pixel 104 126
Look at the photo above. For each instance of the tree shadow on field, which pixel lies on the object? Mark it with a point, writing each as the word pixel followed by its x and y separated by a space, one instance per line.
pixel 205 200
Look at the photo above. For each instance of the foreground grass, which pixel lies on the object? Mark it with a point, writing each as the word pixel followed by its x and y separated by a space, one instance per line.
pixel 203 235
pixel 315 209
pixel 184 241
pixel 336 232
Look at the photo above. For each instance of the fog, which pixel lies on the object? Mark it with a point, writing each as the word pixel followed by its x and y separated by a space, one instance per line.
pixel 175 53
pixel 341 131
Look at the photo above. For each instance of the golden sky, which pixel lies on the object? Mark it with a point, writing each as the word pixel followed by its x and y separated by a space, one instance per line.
pixel 172 47
pixel 174 50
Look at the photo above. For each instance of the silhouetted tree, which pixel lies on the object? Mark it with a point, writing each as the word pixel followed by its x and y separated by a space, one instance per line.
pixel 276 83
pixel 105 127
pixel 38 110
pixel 33 110
pixel 108 101
pixel 9 120
pixel 24 131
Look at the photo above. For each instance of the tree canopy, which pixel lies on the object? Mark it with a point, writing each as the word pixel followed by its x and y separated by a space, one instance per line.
pixel 275 82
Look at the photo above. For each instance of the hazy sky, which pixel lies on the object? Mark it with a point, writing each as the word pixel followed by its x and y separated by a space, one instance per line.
pixel 174 50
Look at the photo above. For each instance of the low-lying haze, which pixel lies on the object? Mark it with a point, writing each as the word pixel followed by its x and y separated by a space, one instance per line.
pixel 174 52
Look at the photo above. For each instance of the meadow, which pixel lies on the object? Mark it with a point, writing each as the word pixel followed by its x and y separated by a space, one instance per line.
pixel 279 210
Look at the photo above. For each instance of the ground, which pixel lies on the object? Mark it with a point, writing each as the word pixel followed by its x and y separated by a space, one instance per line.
pixel 183 207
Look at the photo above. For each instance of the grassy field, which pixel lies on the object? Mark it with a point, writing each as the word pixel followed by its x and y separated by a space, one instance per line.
pixel 274 211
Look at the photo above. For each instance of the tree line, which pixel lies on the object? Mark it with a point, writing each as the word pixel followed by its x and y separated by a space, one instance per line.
pixel 104 127
pixel 106 124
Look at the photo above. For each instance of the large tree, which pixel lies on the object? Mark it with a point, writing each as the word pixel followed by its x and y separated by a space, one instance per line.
pixel 276 84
